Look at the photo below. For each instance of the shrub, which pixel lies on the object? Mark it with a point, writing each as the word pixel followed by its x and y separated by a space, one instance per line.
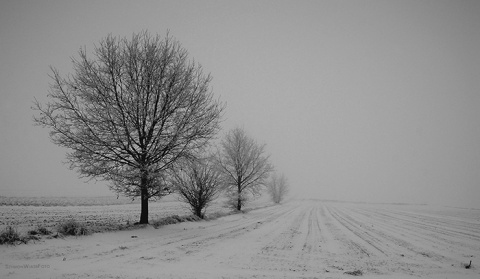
pixel 191 218
pixel 166 221
pixel 235 199
pixel 354 273
pixel 41 230
pixel 174 219
pixel 44 231
pixel 72 227
pixel 11 236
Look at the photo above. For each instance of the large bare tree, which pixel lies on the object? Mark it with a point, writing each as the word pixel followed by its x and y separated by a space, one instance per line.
pixel 244 166
pixel 197 181
pixel 127 113
pixel 277 188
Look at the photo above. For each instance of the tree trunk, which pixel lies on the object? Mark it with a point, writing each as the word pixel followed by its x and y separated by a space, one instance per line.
pixel 144 199
pixel 144 212
pixel 198 212
pixel 239 200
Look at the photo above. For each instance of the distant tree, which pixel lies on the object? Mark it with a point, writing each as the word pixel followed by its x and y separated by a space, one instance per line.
pixel 130 112
pixel 278 188
pixel 197 181
pixel 243 165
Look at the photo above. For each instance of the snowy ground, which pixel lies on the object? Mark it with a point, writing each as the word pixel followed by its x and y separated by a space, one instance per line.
pixel 49 212
pixel 299 239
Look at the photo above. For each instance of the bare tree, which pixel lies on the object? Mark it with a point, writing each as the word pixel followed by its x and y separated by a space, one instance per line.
pixel 130 112
pixel 198 183
pixel 278 188
pixel 243 165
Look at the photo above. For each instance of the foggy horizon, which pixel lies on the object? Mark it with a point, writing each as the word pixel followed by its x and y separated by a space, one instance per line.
pixel 372 101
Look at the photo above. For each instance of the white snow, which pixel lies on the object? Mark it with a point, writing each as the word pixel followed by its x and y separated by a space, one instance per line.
pixel 298 239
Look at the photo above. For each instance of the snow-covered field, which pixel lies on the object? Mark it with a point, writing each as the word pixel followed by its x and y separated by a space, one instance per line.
pixel 28 213
pixel 298 239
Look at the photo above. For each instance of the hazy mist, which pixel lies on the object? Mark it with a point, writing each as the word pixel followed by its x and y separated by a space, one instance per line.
pixel 375 101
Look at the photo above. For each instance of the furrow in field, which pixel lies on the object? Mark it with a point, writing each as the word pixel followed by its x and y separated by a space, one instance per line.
pixel 355 228
pixel 436 225
pixel 349 251
pixel 422 250
pixel 409 243
pixel 399 254
pixel 451 227
pixel 430 237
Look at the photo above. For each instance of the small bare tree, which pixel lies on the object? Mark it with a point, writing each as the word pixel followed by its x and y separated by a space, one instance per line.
pixel 130 112
pixel 243 165
pixel 278 188
pixel 198 183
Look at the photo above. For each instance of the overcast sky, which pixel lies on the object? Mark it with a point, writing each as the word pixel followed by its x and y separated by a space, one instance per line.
pixel 374 101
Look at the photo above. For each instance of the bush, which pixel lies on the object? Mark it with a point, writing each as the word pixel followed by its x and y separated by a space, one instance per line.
pixel 174 219
pixel 41 230
pixel 166 221
pixel 192 218
pixel 72 227
pixel 234 199
pixel 44 231
pixel 11 236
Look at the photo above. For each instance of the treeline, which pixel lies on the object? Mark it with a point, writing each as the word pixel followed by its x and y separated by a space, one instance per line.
pixel 137 112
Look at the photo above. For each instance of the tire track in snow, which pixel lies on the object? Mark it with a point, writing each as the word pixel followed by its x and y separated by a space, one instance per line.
pixel 357 230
